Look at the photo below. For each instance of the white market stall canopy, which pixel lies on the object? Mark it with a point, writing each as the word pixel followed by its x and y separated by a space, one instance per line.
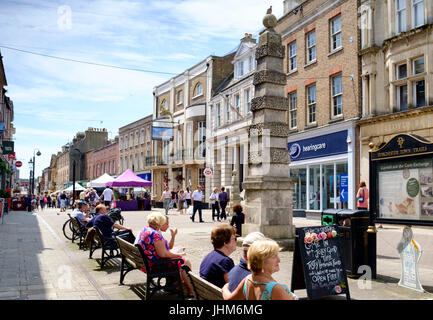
pixel 78 187
pixel 101 181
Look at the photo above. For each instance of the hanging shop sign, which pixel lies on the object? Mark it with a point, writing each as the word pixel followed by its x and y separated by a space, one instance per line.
pixel 161 133
pixel 8 147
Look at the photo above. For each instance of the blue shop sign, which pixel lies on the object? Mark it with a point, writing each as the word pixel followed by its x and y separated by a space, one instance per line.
pixel 326 145
pixel 146 176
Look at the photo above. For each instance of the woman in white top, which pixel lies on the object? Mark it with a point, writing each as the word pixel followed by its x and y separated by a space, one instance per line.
pixel 188 197
pixel 166 198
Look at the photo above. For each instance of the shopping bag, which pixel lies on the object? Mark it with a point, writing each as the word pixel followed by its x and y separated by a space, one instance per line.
pixel 190 209
pixel 185 205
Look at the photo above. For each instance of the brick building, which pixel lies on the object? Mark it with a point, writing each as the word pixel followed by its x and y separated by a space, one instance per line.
pixel 321 39
pixel 103 160
pixel 135 147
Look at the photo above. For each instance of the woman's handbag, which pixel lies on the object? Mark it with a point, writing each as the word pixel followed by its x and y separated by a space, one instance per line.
pixel 361 198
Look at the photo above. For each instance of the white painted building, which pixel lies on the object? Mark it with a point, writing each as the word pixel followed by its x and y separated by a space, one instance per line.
pixel 229 117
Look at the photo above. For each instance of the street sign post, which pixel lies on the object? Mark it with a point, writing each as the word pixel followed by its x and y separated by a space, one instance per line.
pixel 344 188
pixel 208 172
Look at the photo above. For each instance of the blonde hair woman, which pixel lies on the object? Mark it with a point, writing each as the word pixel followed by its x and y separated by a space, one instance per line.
pixel 263 261
pixel 156 247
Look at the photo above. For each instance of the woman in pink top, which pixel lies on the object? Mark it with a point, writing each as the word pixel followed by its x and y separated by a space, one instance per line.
pixel 362 196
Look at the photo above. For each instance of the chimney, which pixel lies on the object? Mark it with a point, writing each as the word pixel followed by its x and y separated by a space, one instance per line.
pixel 248 38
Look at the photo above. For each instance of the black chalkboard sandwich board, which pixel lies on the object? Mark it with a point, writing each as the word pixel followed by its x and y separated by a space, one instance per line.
pixel 318 263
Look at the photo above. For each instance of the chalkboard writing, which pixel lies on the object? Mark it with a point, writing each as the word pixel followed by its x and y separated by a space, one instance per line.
pixel 317 262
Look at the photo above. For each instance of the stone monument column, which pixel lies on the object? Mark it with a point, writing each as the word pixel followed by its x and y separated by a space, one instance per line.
pixel 268 188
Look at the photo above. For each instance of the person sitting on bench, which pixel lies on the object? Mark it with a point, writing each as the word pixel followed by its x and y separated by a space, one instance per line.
pixel 156 247
pixel 105 224
pixel 216 265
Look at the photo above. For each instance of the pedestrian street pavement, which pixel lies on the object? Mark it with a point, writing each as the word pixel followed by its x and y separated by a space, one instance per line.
pixel 38 263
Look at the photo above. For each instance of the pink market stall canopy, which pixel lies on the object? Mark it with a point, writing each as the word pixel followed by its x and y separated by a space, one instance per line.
pixel 129 179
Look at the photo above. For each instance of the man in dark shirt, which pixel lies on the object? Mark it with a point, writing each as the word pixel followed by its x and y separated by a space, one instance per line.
pixel 240 271
pixel 105 224
pixel 217 264
pixel 224 199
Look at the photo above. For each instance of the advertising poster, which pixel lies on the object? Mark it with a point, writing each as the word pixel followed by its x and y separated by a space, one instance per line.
pixel 406 190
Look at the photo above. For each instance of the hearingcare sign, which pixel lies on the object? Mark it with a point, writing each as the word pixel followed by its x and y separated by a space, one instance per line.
pixel 321 146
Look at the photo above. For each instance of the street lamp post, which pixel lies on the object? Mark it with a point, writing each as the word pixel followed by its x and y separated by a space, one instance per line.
pixel 33 171
pixel 73 175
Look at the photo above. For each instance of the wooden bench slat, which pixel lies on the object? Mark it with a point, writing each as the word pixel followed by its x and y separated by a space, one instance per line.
pixel 204 289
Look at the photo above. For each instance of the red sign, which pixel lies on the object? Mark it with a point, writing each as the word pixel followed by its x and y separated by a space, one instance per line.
pixel 207 172
pixel 11 156
pixel 18 164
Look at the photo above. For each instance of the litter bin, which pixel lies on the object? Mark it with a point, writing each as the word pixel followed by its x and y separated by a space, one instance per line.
pixel 352 225
pixel 329 217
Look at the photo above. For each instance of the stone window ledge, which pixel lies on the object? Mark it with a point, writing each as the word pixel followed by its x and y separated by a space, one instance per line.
pixel 311 63
pixel 335 51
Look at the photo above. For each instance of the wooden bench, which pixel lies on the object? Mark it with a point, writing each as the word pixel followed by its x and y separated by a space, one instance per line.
pixel 109 247
pixel 133 258
pixel 203 289
pixel 78 232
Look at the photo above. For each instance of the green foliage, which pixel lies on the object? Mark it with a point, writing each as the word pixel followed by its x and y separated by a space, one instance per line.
pixel 4 194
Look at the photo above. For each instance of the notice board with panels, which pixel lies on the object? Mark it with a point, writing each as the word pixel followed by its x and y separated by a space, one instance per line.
pixel 401 181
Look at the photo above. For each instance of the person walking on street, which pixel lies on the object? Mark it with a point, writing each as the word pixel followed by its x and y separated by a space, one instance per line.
pixel 188 197
pixel 28 201
pixel 181 201
pixel 197 197
pixel 166 198
pixel 224 200
pixel 63 199
pixel 108 196
pixel 214 201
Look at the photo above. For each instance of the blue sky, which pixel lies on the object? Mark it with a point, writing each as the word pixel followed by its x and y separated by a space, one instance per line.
pixel 54 99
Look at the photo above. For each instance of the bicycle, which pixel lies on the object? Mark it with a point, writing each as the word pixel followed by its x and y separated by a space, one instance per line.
pixel 68 229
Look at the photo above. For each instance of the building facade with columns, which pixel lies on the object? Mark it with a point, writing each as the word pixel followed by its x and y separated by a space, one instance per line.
pixel 179 125
pixel 229 117
pixel 397 73
pixel 322 68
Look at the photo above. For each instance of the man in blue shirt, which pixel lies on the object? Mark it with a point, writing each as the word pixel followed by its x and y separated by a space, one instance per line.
pixel 81 213
pixel 217 264
pixel 105 224
pixel 240 271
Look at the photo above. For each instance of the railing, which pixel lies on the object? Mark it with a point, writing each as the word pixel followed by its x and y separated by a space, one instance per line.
pixel 181 155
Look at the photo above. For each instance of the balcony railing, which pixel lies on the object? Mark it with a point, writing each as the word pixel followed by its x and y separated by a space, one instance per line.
pixel 181 155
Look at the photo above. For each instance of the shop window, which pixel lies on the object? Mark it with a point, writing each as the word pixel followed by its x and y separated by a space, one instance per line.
pixel 314 188
pixel 299 177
